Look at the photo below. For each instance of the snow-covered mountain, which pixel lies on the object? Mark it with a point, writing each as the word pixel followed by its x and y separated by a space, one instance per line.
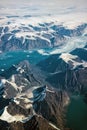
pixel 67 70
pixel 26 33
pixel 25 99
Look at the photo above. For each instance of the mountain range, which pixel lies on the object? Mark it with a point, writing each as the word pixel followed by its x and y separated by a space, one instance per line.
pixel 43 73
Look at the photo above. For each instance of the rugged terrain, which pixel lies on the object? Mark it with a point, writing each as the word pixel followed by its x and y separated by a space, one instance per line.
pixel 43 67
pixel 26 101
pixel 27 35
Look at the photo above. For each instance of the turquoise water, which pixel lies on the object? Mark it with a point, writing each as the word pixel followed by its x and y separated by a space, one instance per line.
pixel 33 56
pixel 77 114
pixel 10 58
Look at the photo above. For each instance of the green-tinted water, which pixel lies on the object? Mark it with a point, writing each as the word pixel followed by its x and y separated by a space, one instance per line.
pixel 77 114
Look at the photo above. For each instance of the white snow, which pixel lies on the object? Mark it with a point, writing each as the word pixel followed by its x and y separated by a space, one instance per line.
pixel 20 70
pixel 70 21
pixel 43 38
pixel 28 97
pixel 3 81
pixel 25 34
pixel 12 83
pixel 68 57
pixel 9 118
pixel 16 101
pixel 54 126
pixel 6 116
pixel 84 64
pixel 13 78
pixel 28 106
pixel 4 96
pixel 42 52
pixel 9 38
pixel 71 44
pixel 50 91
pixel 25 97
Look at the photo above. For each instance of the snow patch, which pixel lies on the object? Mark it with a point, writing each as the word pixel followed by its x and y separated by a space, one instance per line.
pixel 16 101
pixel 54 126
pixel 3 81
pixel 12 83
pixel 42 52
pixel 68 57
pixel 9 118
pixel 19 69
pixel 13 78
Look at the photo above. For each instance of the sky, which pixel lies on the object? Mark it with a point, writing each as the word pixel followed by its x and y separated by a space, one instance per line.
pixel 62 10
pixel 42 7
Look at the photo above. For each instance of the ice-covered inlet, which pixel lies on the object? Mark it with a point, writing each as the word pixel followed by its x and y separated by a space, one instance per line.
pixel 71 44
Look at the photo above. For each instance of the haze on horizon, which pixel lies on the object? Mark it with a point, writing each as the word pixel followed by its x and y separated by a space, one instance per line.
pixel 70 11
pixel 43 7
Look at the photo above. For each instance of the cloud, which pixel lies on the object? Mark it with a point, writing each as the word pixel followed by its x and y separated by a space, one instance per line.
pixel 46 4
pixel 69 12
